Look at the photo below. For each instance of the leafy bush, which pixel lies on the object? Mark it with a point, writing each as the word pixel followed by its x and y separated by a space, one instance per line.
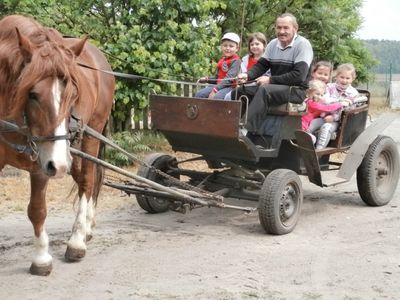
pixel 135 143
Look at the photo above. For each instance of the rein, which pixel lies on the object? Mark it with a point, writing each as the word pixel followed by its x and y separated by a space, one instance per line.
pixel 50 138
pixel 139 77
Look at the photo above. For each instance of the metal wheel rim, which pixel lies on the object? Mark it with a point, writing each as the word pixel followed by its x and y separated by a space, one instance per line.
pixel 384 172
pixel 289 204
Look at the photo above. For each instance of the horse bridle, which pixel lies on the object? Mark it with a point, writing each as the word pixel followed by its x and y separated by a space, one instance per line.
pixel 75 132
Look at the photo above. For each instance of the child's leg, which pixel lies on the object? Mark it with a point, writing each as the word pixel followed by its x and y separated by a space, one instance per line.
pixel 221 94
pixel 325 134
pixel 315 125
pixel 228 96
pixel 203 93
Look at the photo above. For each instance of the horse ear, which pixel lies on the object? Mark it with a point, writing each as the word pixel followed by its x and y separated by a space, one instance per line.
pixel 25 46
pixel 78 46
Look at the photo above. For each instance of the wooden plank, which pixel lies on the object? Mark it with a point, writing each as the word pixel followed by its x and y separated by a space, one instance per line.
pixel 196 116
pixel 145 117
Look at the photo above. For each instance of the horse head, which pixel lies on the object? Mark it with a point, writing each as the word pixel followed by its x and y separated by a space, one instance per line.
pixel 46 93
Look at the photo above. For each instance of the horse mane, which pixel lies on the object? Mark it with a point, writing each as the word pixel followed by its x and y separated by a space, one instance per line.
pixel 50 58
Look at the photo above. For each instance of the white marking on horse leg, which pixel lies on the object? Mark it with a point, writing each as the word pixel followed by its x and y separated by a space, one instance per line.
pixel 90 222
pixel 41 256
pixel 77 239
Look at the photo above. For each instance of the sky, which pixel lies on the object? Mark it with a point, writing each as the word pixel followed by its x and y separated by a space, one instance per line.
pixel 381 20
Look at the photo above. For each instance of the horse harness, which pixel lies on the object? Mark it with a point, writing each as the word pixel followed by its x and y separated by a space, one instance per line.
pixel 75 134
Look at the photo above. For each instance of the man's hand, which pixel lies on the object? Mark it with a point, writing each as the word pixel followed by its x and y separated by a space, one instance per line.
pixel 202 80
pixel 262 80
pixel 242 78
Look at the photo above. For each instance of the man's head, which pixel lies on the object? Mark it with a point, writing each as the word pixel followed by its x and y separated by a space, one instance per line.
pixel 285 28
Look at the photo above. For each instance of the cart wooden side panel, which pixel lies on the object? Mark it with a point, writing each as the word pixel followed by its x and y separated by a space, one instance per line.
pixel 195 116
pixel 193 125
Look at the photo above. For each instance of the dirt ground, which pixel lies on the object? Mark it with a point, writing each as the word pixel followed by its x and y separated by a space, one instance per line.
pixel 340 249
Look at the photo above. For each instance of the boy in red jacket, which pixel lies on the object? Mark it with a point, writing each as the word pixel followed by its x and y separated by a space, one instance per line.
pixel 228 67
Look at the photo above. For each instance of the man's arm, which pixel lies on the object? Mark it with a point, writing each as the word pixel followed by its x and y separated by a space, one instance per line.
pixel 258 69
pixel 295 77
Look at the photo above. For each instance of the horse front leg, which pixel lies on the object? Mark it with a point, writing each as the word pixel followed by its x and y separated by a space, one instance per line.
pixel 37 212
pixel 76 246
pixel 81 230
pixel 84 173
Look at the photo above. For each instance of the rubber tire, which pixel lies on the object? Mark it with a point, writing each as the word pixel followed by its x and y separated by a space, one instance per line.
pixel 280 184
pixel 160 161
pixel 374 189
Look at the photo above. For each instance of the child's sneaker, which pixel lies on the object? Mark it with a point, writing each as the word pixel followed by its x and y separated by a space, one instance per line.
pixel 243 131
pixel 313 138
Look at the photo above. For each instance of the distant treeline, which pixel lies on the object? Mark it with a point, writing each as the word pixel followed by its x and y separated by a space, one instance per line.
pixel 387 53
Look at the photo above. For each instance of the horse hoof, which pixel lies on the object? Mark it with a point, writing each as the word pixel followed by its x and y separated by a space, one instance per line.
pixel 72 254
pixel 41 270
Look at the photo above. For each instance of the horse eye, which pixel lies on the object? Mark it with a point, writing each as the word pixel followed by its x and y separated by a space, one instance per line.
pixel 33 96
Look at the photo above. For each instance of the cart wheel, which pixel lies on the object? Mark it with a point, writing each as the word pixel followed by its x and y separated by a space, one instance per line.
pixel 378 174
pixel 280 201
pixel 159 161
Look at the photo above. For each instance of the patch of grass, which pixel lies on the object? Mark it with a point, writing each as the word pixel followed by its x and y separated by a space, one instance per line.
pixel 378 105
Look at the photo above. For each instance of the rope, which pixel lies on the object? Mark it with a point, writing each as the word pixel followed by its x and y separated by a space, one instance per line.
pixel 140 77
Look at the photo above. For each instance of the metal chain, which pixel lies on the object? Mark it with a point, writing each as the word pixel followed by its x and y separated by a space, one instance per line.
pixel 177 181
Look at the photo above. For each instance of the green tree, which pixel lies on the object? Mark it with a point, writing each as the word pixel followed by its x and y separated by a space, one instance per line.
pixel 8 7
pixel 153 38
pixel 161 39
pixel 387 53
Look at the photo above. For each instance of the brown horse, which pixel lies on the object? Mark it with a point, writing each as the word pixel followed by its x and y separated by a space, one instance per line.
pixel 41 84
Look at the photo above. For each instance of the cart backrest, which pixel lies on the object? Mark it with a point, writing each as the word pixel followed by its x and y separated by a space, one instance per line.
pixel 352 123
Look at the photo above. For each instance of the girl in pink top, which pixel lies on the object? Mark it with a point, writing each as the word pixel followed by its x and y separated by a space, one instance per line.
pixel 316 104
pixel 322 72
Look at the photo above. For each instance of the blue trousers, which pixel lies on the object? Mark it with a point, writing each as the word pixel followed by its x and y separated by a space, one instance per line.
pixel 325 131
pixel 220 95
